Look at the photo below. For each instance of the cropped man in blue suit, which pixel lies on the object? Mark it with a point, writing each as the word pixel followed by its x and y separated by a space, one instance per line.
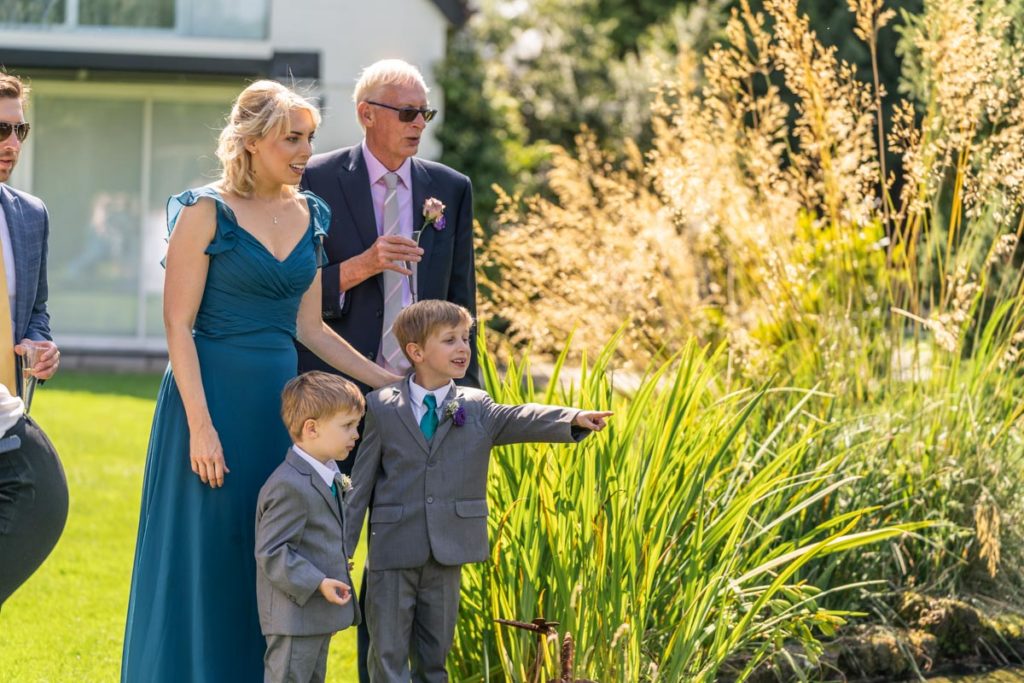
pixel 33 490
pixel 401 227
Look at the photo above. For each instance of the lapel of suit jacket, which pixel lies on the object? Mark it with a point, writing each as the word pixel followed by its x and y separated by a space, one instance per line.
pixel 422 188
pixel 446 423
pixel 15 224
pixel 403 407
pixel 299 463
pixel 355 186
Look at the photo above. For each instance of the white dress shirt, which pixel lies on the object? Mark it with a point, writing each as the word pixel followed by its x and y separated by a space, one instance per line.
pixel 378 191
pixel 11 409
pixel 418 393
pixel 326 471
pixel 8 256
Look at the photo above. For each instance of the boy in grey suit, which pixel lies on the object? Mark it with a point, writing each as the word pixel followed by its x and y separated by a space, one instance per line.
pixel 423 462
pixel 303 587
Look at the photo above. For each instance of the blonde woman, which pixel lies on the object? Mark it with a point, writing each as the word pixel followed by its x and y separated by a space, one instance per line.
pixel 241 285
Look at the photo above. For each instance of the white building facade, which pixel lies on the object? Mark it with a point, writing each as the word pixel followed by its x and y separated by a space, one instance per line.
pixel 127 100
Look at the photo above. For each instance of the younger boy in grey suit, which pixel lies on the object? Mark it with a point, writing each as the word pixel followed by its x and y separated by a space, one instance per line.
pixel 303 587
pixel 424 459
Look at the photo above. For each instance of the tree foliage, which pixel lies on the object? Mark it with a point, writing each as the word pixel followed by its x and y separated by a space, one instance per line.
pixel 526 74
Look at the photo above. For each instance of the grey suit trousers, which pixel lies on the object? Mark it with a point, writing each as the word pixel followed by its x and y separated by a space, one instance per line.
pixel 411 615
pixel 296 659
pixel 33 505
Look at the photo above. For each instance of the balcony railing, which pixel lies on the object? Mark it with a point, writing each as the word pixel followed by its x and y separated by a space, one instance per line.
pixel 244 19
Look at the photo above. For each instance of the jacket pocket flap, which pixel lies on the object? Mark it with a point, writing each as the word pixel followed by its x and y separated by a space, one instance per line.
pixel 476 507
pixel 386 514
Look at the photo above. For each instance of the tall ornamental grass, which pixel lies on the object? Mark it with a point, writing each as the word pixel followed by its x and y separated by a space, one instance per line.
pixel 825 244
pixel 671 542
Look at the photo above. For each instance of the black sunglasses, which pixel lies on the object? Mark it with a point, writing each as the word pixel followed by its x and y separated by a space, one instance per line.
pixel 19 129
pixel 407 114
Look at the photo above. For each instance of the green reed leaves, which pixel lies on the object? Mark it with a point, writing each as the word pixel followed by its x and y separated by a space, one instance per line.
pixel 667 544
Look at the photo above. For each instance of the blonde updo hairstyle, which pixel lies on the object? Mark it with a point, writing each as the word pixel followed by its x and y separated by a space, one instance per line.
pixel 261 109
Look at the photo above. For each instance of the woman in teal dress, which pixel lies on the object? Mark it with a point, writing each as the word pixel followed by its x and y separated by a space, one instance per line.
pixel 241 283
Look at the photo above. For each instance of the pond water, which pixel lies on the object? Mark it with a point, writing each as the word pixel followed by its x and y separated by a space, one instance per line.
pixel 1001 676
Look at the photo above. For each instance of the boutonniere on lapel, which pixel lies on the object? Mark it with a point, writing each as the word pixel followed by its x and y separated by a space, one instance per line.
pixel 433 213
pixel 456 413
pixel 346 483
pixel 433 216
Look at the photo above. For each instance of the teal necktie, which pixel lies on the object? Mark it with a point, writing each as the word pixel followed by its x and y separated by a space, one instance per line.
pixel 334 488
pixel 428 424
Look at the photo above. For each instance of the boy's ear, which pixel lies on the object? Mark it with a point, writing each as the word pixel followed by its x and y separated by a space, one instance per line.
pixel 309 429
pixel 415 353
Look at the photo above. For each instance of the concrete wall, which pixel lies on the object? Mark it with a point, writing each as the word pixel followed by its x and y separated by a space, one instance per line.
pixel 348 35
pixel 352 35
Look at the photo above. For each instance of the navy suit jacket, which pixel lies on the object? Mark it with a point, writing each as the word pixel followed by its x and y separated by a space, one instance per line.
pixel 447 270
pixel 29 226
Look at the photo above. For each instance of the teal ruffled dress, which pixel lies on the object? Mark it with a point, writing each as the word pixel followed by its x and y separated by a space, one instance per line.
pixel 192 613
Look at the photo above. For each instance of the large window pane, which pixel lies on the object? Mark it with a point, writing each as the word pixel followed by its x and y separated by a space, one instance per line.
pixel 31 11
pixel 184 142
pixel 87 167
pixel 227 19
pixel 131 13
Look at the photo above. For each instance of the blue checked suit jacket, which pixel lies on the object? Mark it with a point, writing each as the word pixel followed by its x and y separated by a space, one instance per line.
pixel 29 226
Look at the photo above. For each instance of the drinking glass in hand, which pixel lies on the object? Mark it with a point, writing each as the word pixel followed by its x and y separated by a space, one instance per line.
pixel 33 350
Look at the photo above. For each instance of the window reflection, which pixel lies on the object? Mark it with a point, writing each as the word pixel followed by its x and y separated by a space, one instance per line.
pixel 135 13
pixel 245 19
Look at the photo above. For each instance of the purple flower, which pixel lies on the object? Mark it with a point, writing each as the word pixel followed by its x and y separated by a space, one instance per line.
pixel 459 416
pixel 433 213
pixel 456 412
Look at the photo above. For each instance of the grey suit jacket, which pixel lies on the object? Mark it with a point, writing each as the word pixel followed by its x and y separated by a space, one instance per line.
pixel 431 498
pixel 300 535
pixel 29 225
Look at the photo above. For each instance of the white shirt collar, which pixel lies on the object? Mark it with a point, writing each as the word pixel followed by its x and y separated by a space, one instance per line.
pixel 376 170
pixel 326 472
pixel 418 393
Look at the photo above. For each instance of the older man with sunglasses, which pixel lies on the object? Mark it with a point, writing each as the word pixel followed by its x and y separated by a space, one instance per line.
pixel 33 490
pixel 401 230
pixel 401 227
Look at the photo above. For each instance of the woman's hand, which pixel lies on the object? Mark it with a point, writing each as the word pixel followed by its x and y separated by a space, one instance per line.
pixel 390 378
pixel 207 456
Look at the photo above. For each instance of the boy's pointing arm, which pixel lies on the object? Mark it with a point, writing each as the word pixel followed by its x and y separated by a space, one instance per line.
pixel 535 422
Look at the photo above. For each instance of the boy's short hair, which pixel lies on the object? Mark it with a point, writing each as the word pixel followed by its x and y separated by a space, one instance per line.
pixel 417 322
pixel 317 395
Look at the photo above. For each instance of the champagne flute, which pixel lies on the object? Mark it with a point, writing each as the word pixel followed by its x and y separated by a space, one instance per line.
pixel 416 234
pixel 33 350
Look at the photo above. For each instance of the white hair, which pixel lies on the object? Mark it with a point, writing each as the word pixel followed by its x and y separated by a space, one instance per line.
pixel 384 73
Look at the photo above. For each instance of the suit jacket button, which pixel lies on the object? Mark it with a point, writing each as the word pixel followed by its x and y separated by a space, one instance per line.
pixel 430 499
pixel 380 313
pixel 430 463
pixel 370 355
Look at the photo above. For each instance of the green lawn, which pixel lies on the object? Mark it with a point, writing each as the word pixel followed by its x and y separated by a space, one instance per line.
pixel 67 622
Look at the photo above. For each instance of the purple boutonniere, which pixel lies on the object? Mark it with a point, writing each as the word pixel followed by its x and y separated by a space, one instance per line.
pixel 433 213
pixel 456 413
